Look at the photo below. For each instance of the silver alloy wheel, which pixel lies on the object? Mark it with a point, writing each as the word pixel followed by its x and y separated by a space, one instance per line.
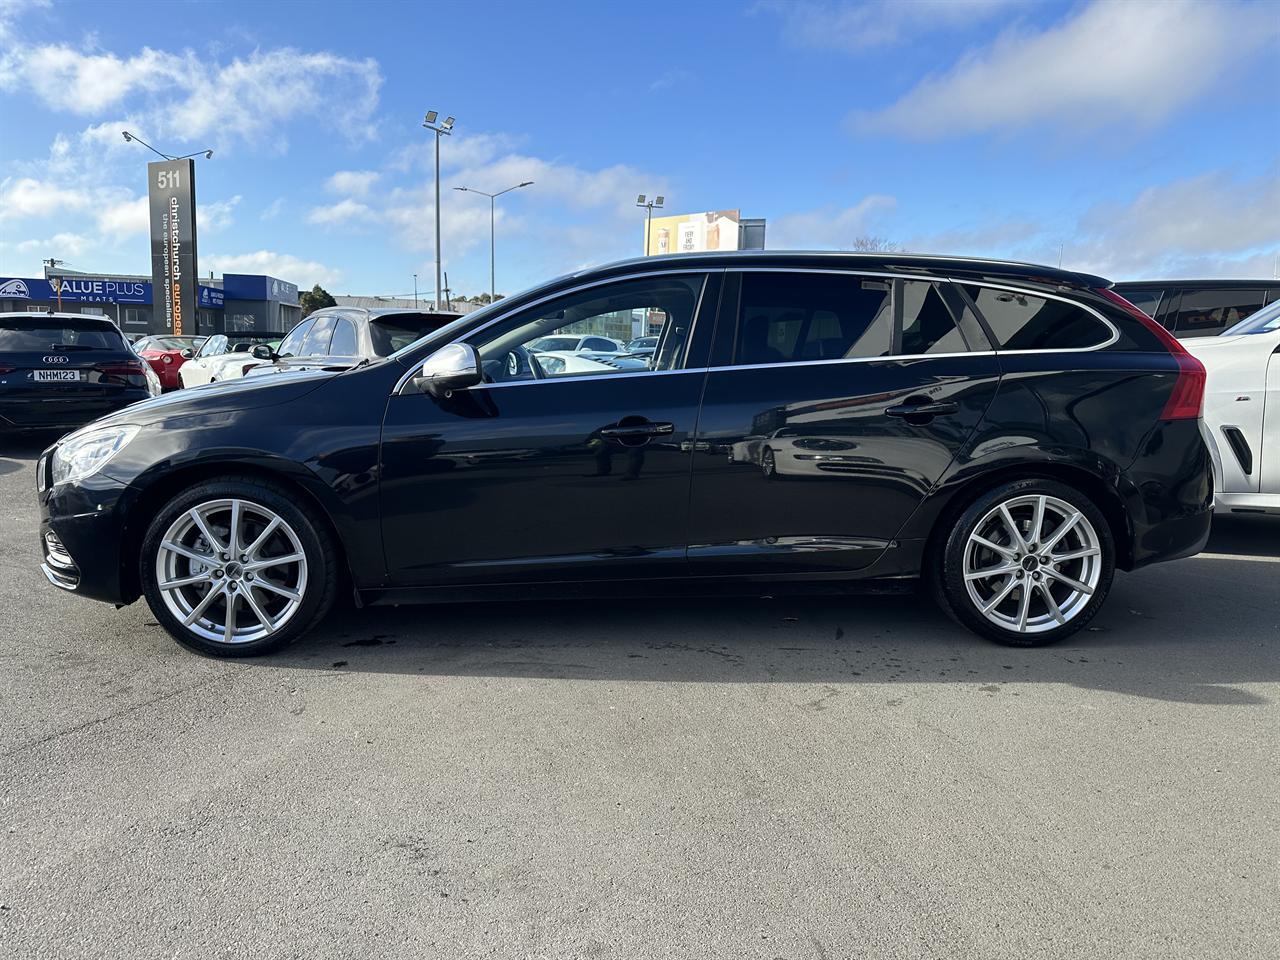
pixel 231 571
pixel 1032 563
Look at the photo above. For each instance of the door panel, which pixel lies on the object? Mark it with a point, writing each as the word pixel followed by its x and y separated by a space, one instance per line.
pixel 814 468
pixel 1269 449
pixel 557 479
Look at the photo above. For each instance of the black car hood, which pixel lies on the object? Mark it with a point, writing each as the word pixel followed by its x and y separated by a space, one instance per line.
pixel 256 392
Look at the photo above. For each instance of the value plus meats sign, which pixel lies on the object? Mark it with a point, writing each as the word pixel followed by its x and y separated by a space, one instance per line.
pixel 171 189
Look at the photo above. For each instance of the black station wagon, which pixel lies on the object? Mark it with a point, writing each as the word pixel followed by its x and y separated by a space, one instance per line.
pixel 1009 433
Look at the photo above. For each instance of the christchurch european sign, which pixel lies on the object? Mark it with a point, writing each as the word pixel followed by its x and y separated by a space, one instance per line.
pixel 171 193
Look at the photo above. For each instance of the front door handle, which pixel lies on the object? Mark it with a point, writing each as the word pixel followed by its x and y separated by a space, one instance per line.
pixel 918 411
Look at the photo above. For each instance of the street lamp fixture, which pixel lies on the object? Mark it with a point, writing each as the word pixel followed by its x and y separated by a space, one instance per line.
pixel 444 129
pixel 133 138
pixel 649 205
pixel 493 286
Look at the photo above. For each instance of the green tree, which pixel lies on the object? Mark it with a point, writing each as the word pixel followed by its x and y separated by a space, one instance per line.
pixel 315 298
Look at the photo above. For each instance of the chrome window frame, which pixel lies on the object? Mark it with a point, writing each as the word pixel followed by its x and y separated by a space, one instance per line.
pixel 747 268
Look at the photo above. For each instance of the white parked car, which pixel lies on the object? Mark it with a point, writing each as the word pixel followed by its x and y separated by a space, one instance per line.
pixel 1242 412
pixel 574 343
pixel 569 363
pixel 223 357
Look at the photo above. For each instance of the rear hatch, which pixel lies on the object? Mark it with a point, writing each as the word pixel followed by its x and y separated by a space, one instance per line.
pixel 58 370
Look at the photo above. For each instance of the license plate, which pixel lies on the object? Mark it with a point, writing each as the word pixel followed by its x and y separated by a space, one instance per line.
pixel 55 376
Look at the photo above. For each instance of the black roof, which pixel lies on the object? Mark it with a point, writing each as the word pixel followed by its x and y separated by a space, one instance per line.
pixel 879 262
pixel 1216 283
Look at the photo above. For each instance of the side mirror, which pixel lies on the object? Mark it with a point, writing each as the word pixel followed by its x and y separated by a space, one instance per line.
pixel 187 354
pixel 454 367
pixel 263 352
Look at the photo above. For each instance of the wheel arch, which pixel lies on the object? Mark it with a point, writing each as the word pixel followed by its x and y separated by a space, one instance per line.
pixel 1095 487
pixel 153 496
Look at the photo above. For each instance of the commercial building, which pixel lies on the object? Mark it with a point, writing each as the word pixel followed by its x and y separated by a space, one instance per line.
pixel 236 303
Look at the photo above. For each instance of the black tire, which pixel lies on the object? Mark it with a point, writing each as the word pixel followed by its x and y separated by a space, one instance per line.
pixel 317 545
pixel 947 575
pixel 769 463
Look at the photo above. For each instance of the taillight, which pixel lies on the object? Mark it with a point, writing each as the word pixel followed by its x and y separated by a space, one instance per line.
pixel 130 373
pixel 1186 401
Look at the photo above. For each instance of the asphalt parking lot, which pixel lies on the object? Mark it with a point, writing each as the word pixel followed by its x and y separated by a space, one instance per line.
pixel 773 778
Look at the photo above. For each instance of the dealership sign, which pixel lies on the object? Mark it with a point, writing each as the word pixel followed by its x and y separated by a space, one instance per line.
pixel 172 208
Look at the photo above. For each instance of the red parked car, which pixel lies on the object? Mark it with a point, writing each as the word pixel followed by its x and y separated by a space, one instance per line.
pixel 166 354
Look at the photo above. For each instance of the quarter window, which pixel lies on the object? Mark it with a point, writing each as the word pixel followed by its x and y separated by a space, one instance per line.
pixel 927 324
pixel 541 343
pixel 1021 321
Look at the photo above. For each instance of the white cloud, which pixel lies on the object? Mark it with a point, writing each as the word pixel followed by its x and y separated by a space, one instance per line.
pixel 187 98
pixel 828 227
pixel 855 26
pixel 124 218
pixel 1107 63
pixel 62 245
pixel 11 10
pixel 352 183
pixel 273 209
pixel 25 197
pixel 217 215
pixel 344 211
pixel 305 273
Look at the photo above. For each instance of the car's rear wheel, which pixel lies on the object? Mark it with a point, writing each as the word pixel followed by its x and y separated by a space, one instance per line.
pixel 1027 564
pixel 237 568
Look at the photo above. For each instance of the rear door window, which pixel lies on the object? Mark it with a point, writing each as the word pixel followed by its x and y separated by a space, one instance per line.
pixel 343 343
pixel 794 317
pixel 1023 321
pixel 1204 313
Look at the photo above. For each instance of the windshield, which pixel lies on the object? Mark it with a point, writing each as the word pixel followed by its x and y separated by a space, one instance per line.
pixel 554 343
pixel 1266 320
pixel 21 334
pixel 167 343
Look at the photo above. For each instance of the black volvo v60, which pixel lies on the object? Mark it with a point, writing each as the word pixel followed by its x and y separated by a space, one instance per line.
pixel 1010 433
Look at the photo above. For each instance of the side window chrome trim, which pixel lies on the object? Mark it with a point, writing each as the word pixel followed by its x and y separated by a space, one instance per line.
pixel 896 358
pixel 706 272
pixel 1115 333
pixel 591 376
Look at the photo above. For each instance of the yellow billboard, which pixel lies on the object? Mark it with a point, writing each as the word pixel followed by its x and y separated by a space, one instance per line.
pixel 692 233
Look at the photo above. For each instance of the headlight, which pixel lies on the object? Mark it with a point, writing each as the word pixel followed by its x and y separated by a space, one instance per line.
pixel 85 455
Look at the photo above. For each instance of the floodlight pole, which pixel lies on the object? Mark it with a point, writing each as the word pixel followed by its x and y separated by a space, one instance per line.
pixel 642 201
pixel 443 129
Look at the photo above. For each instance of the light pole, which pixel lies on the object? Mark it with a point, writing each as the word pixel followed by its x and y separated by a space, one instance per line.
pixel 493 286
pixel 648 215
pixel 444 129
pixel 415 291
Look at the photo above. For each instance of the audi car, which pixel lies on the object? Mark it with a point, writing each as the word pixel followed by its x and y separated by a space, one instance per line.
pixel 1009 435
pixel 61 370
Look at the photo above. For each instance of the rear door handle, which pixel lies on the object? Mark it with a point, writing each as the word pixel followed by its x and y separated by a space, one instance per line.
pixel 909 409
pixel 639 430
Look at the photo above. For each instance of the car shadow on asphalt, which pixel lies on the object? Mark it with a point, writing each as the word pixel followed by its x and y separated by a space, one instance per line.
pixel 1155 638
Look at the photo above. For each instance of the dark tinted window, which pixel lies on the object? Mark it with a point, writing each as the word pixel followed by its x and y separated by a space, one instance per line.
pixel 343 343
pixel 291 345
pixel 788 317
pixel 927 324
pixel 396 331
pixel 1146 299
pixel 1206 312
pixel 1021 321
pixel 595 343
pixel 316 343
pixel 20 334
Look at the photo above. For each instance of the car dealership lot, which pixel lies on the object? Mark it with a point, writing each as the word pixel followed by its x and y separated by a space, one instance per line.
pixel 773 778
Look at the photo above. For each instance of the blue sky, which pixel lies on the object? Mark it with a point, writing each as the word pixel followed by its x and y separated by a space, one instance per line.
pixel 1138 138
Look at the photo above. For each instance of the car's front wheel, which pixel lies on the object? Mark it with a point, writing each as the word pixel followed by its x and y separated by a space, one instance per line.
pixel 236 568
pixel 1027 564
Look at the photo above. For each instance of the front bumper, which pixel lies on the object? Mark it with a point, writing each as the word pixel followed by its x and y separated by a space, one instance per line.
pixel 82 534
